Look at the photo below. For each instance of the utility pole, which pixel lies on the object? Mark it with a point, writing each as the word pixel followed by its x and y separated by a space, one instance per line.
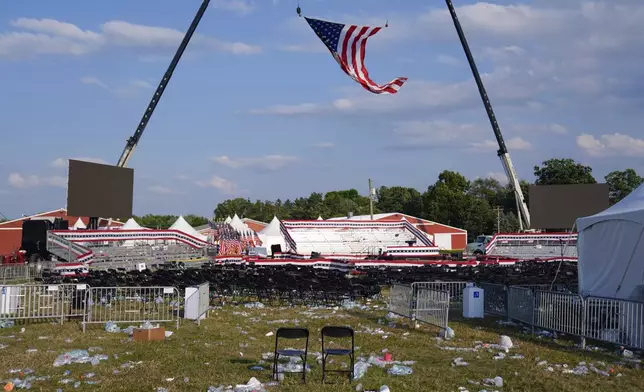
pixel 371 199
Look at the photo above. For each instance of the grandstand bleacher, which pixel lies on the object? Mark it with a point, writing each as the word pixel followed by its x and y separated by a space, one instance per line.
pixel 533 246
pixel 350 238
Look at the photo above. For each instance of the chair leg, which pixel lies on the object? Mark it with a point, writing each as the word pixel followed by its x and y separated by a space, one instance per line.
pixel 323 368
pixel 275 374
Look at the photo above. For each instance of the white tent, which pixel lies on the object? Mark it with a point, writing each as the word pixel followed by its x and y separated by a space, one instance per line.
pixel 238 224
pixel 181 225
pixel 272 235
pixel 610 246
pixel 131 224
pixel 79 225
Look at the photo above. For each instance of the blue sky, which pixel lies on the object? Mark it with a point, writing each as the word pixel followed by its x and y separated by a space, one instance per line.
pixel 257 108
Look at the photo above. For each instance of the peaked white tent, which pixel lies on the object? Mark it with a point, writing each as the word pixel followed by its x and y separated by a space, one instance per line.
pixel 181 225
pixel 610 246
pixel 131 224
pixel 79 225
pixel 238 224
pixel 272 235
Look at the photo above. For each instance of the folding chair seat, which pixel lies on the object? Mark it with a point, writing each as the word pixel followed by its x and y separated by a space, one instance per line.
pixel 338 333
pixel 290 333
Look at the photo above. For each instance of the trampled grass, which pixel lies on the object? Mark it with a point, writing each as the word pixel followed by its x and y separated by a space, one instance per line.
pixel 232 339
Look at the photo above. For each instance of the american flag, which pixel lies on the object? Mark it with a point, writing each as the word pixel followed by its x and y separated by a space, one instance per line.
pixel 348 44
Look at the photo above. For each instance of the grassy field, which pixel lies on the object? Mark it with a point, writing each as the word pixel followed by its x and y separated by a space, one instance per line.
pixel 233 339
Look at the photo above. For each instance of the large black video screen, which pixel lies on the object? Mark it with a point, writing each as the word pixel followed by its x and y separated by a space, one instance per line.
pixel 99 190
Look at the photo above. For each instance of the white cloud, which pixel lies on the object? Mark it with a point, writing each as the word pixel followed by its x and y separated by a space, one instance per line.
pixel 33 37
pixel 239 6
pixel 436 133
pixel 501 177
pixel 63 162
pixel 160 189
pixel 24 181
pixel 219 183
pixel 539 128
pixel 449 60
pixel 92 80
pixel 303 108
pixel 267 162
pixel 18 180
pixel 615 144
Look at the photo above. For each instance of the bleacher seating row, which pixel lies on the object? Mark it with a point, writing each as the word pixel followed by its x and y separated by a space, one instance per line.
pixel 348 239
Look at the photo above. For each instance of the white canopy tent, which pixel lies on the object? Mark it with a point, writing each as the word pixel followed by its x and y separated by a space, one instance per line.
pixel 611 250
pixel 131 224
pixel 79 225
pixel 181 225
pixel 272 235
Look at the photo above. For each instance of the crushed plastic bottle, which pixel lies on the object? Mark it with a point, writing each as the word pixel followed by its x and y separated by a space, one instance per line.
pixel 400 370
pixel 505 342
pixel 7 323
pixel 360 369
pixel 112 327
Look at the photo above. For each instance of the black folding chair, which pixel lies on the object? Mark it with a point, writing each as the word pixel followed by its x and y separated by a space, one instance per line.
pixel 340 333
pixel 290 333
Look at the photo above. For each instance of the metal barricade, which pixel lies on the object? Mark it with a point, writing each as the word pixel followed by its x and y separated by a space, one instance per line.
pixel 19 272
pixel 615 321
pixel 132 305
pixel 38 302
pixel 521 304
pixel 455 290
pixel 400 299
pixel 559 312
pixel 432 307
pixel 495 299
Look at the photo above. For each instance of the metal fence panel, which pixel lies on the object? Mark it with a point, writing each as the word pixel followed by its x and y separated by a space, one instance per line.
pixel 615 321
pixel 400 299
pixel 132 305
pixel 495 299
pixel 432 307
pixel 37 302
pixel 19 272
pixel 521 304
pixel 455 290
pixel 559 312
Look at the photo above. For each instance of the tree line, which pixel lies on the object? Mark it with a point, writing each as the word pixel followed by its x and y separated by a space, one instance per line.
pixel 480 206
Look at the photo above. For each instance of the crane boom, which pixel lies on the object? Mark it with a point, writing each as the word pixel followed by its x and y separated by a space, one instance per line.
pixel 134 139
pixel 504 155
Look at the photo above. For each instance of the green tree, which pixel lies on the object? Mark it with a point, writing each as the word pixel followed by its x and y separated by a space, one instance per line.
pixel 239 206
pixel 399 199
pixel 195 220
pixel 621 183
pixel 448 201
pixel 562 172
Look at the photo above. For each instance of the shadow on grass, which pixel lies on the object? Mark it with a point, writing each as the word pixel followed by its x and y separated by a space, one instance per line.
pixel 564 342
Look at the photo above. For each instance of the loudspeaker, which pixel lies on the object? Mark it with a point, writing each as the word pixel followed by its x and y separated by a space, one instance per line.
pixel 34 236
pixel 60 224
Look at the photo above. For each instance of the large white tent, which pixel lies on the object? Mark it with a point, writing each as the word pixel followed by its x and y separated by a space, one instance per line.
pixel 611 250
pixel 272 235
pixel 181 225
pixel 131 224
